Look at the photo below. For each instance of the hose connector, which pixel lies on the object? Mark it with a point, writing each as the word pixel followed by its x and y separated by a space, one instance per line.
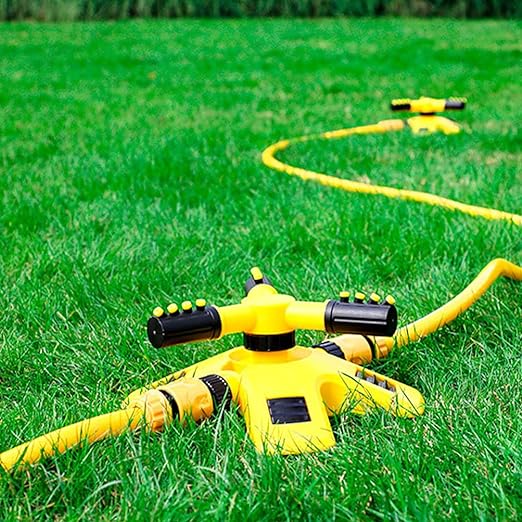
pixel 188 397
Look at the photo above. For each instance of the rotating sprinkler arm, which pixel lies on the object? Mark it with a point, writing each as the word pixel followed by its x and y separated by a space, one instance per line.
pixel 426 105
pixel 265 312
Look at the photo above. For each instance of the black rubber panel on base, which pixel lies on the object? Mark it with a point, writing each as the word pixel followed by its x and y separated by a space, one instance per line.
pixel 288 410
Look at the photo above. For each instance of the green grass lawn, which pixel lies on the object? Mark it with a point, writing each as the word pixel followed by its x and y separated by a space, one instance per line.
pixel 130 176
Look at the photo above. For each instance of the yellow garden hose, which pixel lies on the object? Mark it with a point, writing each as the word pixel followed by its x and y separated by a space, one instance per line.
pixel 152 410
pixel 89 430
pixel 461 302
pixel 446 313
pixel 269 159
pixel 438 318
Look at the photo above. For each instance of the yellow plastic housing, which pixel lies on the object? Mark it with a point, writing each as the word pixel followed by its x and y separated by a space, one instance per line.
pixel 266 312
pixel 328 385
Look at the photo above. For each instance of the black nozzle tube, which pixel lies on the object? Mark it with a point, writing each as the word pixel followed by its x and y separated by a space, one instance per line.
pixel 197 325
pixel 454 105
pixel 400 106
pixel 360 318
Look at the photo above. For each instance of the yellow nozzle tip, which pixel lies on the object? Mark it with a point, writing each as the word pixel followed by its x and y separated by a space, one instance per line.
pixel 172 308
pixel 186 306
pixel 256 273
pixel 390 300
pixel 360 295
pixel 344 293
pixel 158 311
pixel 201 303
pixel 375 297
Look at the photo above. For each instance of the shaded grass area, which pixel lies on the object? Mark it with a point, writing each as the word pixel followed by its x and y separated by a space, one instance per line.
pixel 69 10
pixel 130 176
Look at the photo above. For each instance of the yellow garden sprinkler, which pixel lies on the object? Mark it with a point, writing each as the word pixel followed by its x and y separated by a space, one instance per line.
pixel 285 392
pixel 428 121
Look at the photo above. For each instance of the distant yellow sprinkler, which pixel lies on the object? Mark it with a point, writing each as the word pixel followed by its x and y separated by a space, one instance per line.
pixel 428 122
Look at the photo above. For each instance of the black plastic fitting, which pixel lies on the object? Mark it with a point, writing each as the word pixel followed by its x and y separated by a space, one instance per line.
pixel 360 318
pixel 454 105
pixel 400 106
pixel 219 389
pixel 198 325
